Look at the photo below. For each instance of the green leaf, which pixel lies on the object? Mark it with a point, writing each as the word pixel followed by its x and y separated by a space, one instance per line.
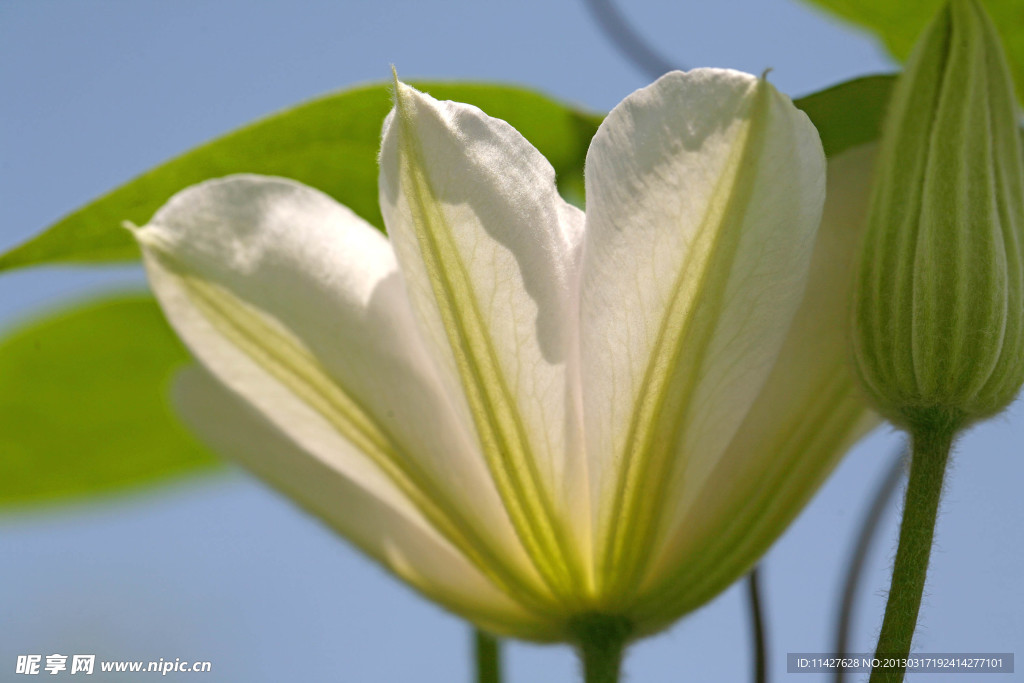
pixel 330 143
pixel 849 114
pixel 83 403
pixel 898 24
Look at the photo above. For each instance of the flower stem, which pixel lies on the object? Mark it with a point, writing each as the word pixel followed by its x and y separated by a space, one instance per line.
pixel 601 641
pixel 488 657
pixel 931 440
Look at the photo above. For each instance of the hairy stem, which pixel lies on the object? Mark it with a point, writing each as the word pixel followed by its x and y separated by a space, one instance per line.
pixel 931 441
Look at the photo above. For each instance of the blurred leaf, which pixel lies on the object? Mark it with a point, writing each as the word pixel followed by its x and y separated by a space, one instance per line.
pixel 330 143
pixel 898 24
pixel 83 402
pixel 849 114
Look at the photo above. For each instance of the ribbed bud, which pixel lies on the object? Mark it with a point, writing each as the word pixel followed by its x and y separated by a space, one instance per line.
pixel 939 302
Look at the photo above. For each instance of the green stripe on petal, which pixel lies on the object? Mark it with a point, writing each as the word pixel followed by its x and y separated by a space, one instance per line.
pixel 677 357
pixel 704 191
pixel 494 403
pixel 296 305
pixel 284 358
pixel 809 412
pixel 401 540
pixel 799 465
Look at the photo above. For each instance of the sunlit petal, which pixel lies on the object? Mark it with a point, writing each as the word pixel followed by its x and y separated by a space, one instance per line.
pixel 704 191
pixel 809 412
pixel 296 304
pixel 489 252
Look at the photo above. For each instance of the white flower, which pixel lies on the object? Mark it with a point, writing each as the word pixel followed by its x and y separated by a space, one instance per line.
pixel 531 415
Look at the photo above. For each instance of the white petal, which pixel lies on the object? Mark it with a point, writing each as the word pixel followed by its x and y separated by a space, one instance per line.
pixel 489 252
pixel 704 191
pixel 296 304
pixel 388 527
pixel 809 413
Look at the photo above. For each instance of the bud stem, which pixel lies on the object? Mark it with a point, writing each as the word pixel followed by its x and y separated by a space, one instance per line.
pixel 932 440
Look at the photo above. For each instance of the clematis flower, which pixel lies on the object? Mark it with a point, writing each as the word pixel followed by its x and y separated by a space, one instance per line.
pixel 533 415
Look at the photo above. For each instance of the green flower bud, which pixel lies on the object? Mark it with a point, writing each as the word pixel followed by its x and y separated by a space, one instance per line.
pixel 939 301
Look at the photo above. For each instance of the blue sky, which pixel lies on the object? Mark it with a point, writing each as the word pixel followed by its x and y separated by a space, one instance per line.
pixel 225 570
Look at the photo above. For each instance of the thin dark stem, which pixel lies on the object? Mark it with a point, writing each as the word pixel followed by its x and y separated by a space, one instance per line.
pixel 488 657
pixel 627 40
pixel 757 621
pixel 869 527
pixel 931 443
